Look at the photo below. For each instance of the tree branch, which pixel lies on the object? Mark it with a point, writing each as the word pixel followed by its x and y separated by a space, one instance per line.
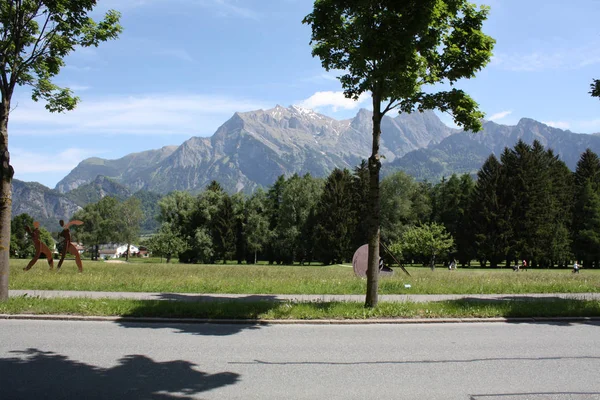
pixel 390 106
pixel 40 39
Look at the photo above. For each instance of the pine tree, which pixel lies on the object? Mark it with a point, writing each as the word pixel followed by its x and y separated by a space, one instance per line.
pixel 587 231
pixel 360 202
pixel 463 237
pixel 588 169
pixel 517 197
pixel 335 218
pixel 489 214
pixel 586 173
pixel 273 207
pixel 557 239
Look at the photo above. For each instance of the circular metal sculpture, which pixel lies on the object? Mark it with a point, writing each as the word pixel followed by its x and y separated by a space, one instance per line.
pixel 360 261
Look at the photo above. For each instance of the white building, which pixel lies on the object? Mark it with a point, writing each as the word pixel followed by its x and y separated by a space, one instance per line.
pixel 115 250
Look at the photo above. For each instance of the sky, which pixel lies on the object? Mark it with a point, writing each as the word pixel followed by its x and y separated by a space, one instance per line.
pixel 181 68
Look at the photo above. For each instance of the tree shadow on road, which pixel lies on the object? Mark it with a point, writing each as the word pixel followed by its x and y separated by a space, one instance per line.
pixel 201 314
pixel 525 309
pixel 35 374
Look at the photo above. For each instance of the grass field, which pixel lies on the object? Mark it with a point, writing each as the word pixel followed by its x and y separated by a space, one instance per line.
pixel 248 279
pixel 305 311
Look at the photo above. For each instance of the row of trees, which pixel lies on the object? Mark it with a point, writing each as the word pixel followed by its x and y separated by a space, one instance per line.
pixel 525 205
pixel 297 219
pixel 109 221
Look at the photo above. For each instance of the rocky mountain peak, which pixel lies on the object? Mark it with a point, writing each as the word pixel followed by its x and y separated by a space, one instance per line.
pixel 253 148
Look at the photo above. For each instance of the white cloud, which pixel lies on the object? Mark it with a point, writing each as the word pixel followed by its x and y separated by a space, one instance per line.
pixel 159 114
pixel 559 57
pixel 27 162
pixel 499 116
pixel 334 100
pixel 557 124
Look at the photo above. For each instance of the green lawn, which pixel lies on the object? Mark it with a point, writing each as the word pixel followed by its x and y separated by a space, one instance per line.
pixel 156 277
pixel 310 310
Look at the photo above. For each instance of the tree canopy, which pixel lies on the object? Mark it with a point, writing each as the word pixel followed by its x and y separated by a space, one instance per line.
pixel 595 88
pixel 35 38
pixel 394 49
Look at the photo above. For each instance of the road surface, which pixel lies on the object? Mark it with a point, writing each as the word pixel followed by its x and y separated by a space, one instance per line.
pixel 480 361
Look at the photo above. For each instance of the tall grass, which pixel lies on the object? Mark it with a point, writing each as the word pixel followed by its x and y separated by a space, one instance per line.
pixel 264 279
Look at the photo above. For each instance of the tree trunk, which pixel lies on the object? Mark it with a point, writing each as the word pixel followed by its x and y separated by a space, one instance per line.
pixel 127 254
pixel 6 175
pixel 373 208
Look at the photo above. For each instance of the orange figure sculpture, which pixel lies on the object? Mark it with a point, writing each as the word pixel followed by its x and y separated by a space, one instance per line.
pixel 40 247
pixel 68 246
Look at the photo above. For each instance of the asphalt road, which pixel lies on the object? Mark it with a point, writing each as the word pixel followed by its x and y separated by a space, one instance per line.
pixel 104 360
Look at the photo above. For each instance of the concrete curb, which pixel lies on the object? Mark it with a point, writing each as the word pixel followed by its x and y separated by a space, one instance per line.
pixel 294 321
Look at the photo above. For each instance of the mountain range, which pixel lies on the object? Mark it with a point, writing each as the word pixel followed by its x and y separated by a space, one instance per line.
pixel 252 149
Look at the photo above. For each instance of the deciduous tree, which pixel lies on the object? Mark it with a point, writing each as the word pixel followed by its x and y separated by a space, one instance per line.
pixel 35 38
pixel 167 242
pixel 100 224
pixel 256 223
pixel 404 203
pixel 130 219
pixel 392 49
pixel 428 240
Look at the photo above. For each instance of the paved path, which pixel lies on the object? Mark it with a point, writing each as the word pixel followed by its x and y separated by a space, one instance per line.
pixel 193 297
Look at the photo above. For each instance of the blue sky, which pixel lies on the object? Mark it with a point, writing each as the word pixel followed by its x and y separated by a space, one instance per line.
pixel 181 68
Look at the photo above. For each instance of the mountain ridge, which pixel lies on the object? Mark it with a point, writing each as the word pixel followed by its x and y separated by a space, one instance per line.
pixel 253 148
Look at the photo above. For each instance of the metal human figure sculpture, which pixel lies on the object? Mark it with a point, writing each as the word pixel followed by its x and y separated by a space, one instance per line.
pixel 68 246
pixel 40 247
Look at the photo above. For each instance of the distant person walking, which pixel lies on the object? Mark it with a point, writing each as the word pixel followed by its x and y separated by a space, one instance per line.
pixel 40 247
pixel 576 267
pixel 524 265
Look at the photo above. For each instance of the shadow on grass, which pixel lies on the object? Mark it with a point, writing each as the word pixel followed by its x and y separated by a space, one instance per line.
pixel 524 309
pixel 201 298
pixel 36 374
pixel 220 315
